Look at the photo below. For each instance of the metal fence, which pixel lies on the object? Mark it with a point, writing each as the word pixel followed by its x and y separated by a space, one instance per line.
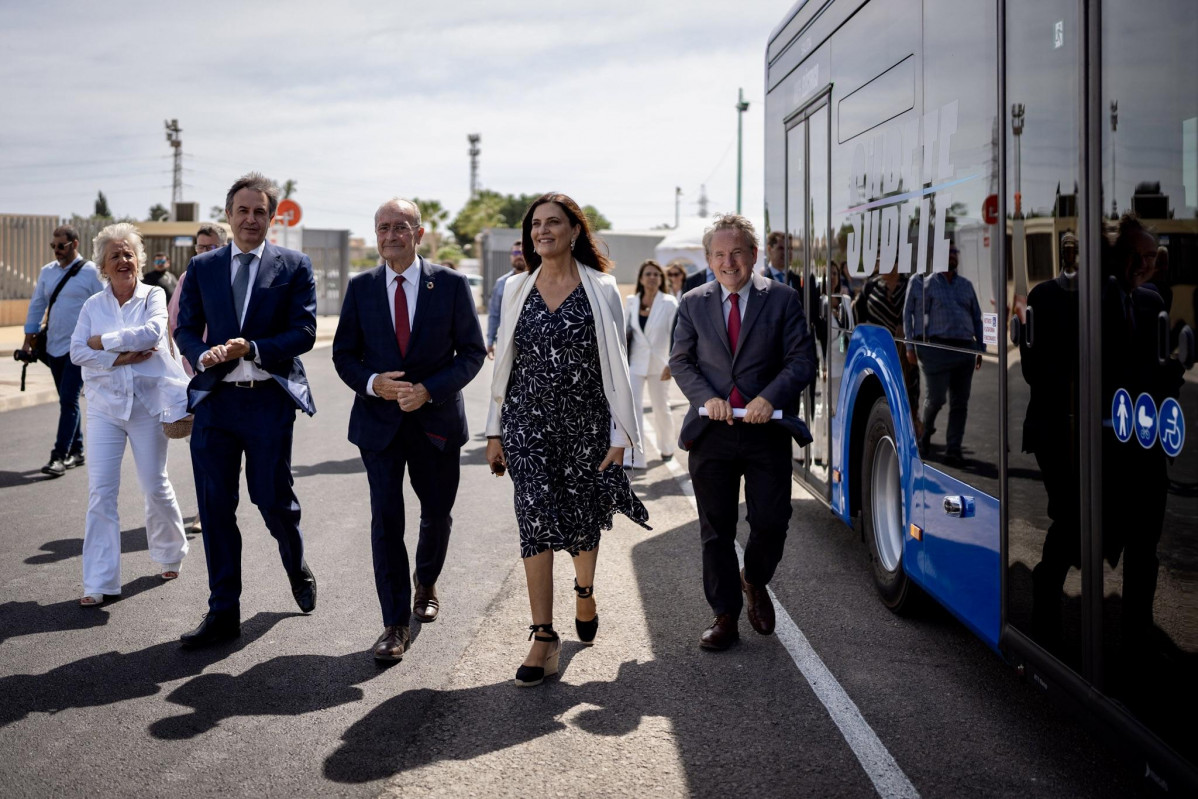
pixel 24 250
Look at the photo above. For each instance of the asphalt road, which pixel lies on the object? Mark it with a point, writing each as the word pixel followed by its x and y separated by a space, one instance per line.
pixel 103 703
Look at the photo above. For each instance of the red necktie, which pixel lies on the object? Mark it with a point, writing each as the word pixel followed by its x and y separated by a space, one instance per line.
pixel 403 330
pixel 735 399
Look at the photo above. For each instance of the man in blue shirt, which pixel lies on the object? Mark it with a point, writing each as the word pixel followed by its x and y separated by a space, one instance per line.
pixel 495 305
pixel 942 309
pixel 68 378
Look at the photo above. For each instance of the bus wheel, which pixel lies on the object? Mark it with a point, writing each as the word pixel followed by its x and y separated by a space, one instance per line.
pixel 882 509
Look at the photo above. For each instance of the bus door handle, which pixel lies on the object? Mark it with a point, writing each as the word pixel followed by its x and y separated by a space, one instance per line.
pixel 1162 337
pixel 961 507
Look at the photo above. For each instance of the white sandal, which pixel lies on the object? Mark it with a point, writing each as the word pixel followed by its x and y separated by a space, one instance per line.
pixel 170 571
pixel 91 600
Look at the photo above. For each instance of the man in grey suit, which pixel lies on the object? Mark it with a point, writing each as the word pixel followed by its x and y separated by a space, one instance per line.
pixel 742 356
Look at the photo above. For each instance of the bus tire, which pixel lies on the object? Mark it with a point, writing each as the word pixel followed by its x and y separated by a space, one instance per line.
pixel 882 516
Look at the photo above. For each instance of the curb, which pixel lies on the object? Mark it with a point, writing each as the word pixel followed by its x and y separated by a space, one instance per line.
pixel 27 399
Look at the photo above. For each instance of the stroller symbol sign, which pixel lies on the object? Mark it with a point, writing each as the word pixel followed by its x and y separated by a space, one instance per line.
pixel 1172 427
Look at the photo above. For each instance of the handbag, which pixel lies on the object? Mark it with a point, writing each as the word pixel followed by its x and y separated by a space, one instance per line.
pixel 180 428
pixel 41 336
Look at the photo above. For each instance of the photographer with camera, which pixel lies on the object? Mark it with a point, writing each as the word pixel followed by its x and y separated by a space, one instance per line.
pixel 62 287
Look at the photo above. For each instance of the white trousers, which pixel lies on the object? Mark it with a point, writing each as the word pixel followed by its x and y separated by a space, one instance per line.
pixel 102 534
pixel 663 420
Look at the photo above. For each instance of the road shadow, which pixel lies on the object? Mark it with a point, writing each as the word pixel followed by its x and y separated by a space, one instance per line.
pixel 290 685
pixel 64 548
pixel 489 718
pixel 30 618
pixel 347 466
pixel 11 479
pixel 112 677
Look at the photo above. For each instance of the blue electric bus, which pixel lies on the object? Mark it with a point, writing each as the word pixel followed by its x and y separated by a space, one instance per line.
pixel 990 208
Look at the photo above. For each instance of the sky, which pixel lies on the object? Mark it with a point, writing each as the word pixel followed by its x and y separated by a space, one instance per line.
pixel 614 103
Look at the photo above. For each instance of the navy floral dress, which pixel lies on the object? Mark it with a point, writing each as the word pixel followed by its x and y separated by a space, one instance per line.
pixel 557 429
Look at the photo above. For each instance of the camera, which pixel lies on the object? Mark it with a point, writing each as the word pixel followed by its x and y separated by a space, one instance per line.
pixel 24 357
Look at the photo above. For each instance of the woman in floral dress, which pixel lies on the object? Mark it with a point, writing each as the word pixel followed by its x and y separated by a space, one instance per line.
pixel 562 414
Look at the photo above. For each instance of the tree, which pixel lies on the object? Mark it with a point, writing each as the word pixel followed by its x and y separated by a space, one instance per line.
pixel 217 214
pixel 432 213
pixel 158 213
pixel 287 189
pixel 483 210
pixel 102 206
pixel 598 221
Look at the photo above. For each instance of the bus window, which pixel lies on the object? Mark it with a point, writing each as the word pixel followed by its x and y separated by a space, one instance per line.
pixel 1148 639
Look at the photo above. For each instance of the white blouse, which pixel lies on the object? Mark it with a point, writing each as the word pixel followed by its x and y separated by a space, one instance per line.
pixel 140 324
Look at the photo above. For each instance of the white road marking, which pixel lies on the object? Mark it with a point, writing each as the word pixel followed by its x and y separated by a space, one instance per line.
pixel 879 765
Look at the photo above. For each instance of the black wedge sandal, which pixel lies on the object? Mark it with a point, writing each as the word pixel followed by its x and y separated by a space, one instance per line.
pixel 528 676
pixel 586 629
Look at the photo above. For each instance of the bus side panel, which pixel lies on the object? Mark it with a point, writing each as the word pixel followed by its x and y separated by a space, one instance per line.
pixel 871 352
pixel 958 562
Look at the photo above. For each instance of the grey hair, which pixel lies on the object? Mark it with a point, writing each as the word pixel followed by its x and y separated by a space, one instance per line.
pixel 258 182
pixel 406 206
pixel 213 230
pixel 730 222
pixel 122 232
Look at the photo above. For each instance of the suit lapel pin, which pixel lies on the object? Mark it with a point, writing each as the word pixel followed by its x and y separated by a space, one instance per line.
pixel 428 285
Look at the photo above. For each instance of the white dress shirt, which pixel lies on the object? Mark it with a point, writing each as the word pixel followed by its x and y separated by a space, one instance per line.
pixel 744 300
pixel 409 280
pixel 247 368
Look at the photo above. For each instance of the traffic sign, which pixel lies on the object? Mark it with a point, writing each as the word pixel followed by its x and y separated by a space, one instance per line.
pixel 288 213
pixel 1121 415
pixel 990 210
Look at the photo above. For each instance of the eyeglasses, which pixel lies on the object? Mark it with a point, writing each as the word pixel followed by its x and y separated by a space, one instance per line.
pixel 519 253
pixel 61 245
pixel 159 261
pixel 402 229
pixel 202 248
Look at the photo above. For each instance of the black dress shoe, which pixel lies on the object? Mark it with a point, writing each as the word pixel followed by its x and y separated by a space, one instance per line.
pixel 303 588
pixel 721 634
pixel 73 460
pixel 392 644
pixel 758 606
pixel 56 467
pixel 424 604
pixel 215 628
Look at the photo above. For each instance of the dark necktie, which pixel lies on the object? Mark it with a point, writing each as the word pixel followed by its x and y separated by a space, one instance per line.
pixel 241 284
pixel 735 399
pixel 403 330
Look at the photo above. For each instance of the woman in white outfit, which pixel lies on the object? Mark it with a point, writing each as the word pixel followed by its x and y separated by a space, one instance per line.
pixel 650 314
pixel 133 382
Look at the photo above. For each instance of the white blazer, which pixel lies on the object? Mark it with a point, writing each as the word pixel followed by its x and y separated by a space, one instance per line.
pixel 138 325
pixel 604 298
pixel 650 353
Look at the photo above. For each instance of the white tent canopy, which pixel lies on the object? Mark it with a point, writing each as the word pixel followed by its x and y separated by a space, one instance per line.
pixel 685 243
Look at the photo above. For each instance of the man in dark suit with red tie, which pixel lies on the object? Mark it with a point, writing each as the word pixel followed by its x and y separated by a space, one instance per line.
pixel 258 305
pixel 407 343
pixel 742 355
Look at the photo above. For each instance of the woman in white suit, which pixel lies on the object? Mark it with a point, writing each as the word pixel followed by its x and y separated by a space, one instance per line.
pixel 133 381
pixel 650 314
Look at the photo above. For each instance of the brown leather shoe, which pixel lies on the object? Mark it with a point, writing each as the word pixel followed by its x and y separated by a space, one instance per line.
pixel 722 633
pixel 758 606
pixel 392 643
pixel 424 603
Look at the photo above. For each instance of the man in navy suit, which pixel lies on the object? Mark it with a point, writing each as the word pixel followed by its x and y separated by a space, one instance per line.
pixel 407 343
pixel 742 352
pixel 258 303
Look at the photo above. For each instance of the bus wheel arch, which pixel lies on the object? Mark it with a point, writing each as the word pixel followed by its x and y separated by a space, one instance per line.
pixel 883 512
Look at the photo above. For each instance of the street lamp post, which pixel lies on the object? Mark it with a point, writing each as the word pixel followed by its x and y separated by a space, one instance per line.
pixel 742 105
pixel 677 201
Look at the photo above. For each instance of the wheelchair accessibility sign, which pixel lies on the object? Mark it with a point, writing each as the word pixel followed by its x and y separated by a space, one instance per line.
pixel 1172 427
